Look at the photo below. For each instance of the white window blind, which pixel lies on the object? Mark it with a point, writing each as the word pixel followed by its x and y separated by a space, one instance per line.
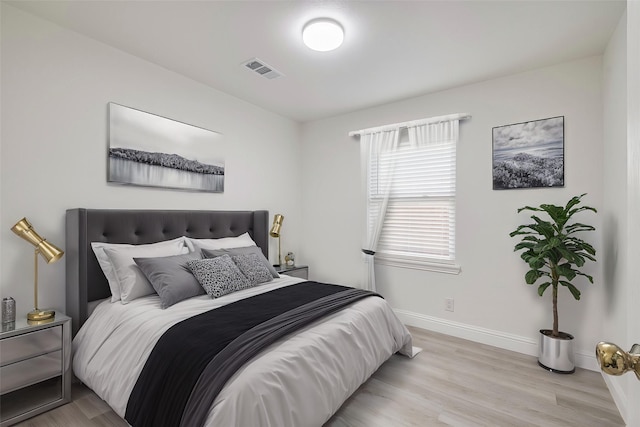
pixel 419 224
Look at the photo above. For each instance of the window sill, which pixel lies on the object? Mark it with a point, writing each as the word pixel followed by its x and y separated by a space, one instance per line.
pixel 417 264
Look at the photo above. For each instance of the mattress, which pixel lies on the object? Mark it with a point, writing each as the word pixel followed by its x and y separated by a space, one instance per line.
pixel 298 381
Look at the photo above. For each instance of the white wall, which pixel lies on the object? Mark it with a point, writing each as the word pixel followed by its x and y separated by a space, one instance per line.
pixel 622 200
pixel 55 88
pixel 614 209
pixel 492 303
pixel 633 198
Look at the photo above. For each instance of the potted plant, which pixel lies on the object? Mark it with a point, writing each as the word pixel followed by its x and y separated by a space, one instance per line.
pixel 554 253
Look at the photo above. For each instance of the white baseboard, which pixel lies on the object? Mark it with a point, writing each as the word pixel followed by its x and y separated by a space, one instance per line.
pixel 487 336
pixel 619 396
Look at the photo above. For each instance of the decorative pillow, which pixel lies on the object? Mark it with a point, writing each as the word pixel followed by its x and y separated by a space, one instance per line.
pixel 253 268
pixel 178 244
pixel 218 276
pixel 222 243
pixel 132 282
pixel 171 278
pixel 241 251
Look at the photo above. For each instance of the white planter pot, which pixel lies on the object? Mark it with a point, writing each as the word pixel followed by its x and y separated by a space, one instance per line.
pixel 556 354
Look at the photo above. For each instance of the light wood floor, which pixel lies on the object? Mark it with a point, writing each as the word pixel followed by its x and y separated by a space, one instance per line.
pixel 453 382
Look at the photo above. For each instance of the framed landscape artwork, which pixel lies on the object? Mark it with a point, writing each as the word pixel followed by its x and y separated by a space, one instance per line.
pixel 153 151
pixel 529 154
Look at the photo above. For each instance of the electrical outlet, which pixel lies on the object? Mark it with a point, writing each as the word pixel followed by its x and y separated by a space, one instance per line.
pixel 448 304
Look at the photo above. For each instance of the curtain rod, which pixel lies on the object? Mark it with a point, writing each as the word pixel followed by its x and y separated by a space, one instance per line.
pixel 439 119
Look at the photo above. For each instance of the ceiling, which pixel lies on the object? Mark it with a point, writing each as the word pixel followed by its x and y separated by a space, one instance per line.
pixel 392 49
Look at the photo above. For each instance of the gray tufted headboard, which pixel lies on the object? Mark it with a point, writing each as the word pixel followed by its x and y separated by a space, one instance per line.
pixel 86 281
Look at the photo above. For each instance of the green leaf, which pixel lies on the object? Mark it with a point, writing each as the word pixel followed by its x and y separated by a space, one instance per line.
pixel 556 213
pixel 543 288
pixel 524 245
pixel 566 271
pixel 585 275
pixel 574 201
pixel 574 291
pixel 536 262
pixel 529 208
pixel 543 227
pixel 580 209
pixel 574 228
pixel 567 254
pixel 552 243
pixel 587 247
pixel 532 276
pixel 523 230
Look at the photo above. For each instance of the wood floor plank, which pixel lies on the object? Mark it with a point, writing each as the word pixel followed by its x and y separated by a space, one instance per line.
pixel 453 382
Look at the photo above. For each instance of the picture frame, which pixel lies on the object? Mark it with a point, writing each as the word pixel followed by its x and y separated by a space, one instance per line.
pixel 153 151
pixel 529 154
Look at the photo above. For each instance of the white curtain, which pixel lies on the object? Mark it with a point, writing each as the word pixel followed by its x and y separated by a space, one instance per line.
pixel 422 135
pixel 371 146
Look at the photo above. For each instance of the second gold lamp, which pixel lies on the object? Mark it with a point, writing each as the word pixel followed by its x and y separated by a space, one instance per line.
pixel 275 232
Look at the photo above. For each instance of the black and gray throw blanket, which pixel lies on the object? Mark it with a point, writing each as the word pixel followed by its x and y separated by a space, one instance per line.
pixel 192 360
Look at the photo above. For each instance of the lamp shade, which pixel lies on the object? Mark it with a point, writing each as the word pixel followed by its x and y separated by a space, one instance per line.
pixel 48 251
pixel 277 224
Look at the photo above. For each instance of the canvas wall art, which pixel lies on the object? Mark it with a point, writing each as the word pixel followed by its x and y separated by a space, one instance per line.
pixel 529 154
pixel 153 151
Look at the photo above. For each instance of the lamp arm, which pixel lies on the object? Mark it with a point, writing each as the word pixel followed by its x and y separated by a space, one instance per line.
pixel 35 279
pixel 279 253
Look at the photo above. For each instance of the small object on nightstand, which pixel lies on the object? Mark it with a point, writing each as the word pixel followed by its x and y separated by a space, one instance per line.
pixel 8 314
pixel 35 368
pixel 290 259
pixel 8 310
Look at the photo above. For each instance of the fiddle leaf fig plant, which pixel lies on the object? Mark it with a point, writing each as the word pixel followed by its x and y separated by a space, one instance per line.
pixel 553 251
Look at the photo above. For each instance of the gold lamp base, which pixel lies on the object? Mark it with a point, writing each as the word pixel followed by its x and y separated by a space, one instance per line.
pixel 41 316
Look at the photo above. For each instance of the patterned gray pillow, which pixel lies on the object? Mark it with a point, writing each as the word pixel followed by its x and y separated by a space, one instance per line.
pixel 218 276
pixel 253 268
pixel 212 253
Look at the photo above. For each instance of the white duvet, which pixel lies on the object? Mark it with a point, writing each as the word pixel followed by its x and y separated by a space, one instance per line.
pixel 299 381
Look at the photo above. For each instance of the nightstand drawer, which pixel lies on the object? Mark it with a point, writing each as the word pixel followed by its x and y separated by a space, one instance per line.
pixel 25 346
pixel 302 272
pixel 30 371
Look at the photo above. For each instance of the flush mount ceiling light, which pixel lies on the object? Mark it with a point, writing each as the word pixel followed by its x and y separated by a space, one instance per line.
pixel 323 34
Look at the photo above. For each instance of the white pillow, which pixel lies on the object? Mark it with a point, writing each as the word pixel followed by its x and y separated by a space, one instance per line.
pixel 133 283
pixel 241 241
pixel 107 267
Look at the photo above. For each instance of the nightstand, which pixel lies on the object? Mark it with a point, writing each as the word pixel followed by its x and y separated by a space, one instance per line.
pixel 301 271
pixel 35 374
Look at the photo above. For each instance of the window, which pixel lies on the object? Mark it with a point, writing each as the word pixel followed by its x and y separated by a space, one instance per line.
pixel 418 229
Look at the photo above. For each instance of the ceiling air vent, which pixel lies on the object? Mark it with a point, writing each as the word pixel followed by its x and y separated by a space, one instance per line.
pixel 258 66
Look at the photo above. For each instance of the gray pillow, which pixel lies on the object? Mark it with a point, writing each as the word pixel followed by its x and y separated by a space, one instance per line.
pixel 253 268
pixel 218 276
pixel 212 253
pixel 171 278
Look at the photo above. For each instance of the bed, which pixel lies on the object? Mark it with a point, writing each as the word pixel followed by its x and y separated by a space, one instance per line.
pixel 300 380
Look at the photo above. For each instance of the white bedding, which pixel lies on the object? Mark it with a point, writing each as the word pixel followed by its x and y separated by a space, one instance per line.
pixel 299 381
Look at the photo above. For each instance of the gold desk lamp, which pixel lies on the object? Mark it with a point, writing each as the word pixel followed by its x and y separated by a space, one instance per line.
pixel 275 232
pixel 49 252
pixel 615 361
